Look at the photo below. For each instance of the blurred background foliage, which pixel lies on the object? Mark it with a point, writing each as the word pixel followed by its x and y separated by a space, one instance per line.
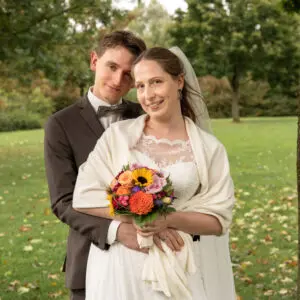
pixel 246 53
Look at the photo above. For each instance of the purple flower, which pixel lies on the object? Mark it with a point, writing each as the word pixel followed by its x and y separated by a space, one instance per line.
pixel 158 202
pixel 135 189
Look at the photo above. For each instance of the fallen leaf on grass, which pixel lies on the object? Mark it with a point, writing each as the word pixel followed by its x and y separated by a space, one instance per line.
pixel 292 263
pixel 36 241
pixel 28 248
pixel 268 238
pixel 247 280
pixel 261 275
pixel 23 290
pixel 286 280
pixel 44 223
pixel 25 228
pixel 283 291
pixel 47 211
pixel 268 293
pixel 53 276
pixel 43 200
pixel 56 294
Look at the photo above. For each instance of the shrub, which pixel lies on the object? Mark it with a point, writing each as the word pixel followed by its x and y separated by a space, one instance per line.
pixel 19 120
pixel 38 103
pixel 62 100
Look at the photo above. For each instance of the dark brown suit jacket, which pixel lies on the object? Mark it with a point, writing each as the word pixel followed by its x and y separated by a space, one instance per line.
pixel 70 135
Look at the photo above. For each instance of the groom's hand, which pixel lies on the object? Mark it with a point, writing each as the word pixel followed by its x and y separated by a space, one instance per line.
pixel 127 236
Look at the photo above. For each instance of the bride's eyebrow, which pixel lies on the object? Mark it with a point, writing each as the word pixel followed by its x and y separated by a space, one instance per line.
pixel 150 79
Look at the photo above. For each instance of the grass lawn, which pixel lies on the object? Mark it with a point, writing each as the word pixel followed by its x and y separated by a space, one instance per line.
pixel 262 154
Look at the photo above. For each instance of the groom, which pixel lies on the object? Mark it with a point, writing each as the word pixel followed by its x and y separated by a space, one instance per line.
pixel 71 134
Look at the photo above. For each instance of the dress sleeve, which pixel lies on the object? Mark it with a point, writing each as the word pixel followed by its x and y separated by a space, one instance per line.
pixel 94 176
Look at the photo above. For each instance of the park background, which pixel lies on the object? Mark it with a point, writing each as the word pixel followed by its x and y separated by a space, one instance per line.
pixel 247 57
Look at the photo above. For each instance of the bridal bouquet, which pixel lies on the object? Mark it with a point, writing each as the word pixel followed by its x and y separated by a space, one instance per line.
pixel 140 192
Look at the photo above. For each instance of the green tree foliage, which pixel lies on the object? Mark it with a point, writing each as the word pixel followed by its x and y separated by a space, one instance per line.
pixel 152 23
pixel 234 37
pixel 291 5
pixel 52 36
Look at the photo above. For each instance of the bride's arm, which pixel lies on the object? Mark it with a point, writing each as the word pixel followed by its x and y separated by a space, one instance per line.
pixel 194 223
pixel 103 212
pixel 189 222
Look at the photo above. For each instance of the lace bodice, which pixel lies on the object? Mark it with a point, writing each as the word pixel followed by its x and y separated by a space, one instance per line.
pixel 165 152
pixel 172 157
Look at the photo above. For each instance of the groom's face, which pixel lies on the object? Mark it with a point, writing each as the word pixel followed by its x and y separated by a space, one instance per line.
pixel 112 73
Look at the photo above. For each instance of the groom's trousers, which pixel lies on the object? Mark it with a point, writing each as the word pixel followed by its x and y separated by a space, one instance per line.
pixel 77 294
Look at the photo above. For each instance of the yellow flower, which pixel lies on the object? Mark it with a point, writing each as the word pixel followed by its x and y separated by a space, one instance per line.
pixel 109 197
pixel 110 205
pixel 111 210
pixel 166 200
pixel 142 176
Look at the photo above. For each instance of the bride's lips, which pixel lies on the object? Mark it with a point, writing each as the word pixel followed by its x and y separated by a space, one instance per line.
pixel 155 105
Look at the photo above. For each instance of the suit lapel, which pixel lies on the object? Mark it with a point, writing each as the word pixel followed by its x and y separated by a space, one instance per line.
pixel 88 114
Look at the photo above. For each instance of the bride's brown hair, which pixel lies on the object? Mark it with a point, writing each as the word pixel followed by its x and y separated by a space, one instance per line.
pixel 172 65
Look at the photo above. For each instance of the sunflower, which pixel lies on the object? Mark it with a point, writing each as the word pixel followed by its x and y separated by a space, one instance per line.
pixel 142 177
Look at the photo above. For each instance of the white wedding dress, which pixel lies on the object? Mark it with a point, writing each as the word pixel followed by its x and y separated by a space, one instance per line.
pixel 116 274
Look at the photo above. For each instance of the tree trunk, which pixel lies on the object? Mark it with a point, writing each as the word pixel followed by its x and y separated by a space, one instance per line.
pixel 235 84
pixel 298 188
pixel 235 110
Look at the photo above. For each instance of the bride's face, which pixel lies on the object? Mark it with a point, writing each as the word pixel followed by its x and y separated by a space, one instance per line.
pixel 157 91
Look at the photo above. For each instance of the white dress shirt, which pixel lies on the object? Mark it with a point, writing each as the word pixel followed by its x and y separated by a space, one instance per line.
pixel 106 121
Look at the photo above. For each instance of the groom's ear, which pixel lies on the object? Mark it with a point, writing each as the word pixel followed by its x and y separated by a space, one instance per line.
pixel 93 61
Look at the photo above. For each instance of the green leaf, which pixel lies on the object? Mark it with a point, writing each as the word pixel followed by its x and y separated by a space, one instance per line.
pixel 126 167
pixel 142 220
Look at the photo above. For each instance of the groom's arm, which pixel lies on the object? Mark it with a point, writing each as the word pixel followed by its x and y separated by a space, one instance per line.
pixel 61 173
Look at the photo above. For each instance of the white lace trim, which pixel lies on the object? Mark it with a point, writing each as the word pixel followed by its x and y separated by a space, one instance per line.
pixel 165 152
pixel 163 140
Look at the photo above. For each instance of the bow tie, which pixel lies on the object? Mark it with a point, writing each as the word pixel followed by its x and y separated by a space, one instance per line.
pixel 113 109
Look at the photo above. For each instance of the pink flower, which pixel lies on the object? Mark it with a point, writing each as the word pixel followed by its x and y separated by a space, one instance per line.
pixel 136 166
pixel 124 201
pixel 157 185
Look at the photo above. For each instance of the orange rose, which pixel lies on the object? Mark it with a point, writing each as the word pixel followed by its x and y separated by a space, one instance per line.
pixel 141 203
pixel 113 183
pixel 126 178
pixel 122 190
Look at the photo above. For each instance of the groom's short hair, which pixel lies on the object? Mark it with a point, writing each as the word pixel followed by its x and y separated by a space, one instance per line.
pixel 122 38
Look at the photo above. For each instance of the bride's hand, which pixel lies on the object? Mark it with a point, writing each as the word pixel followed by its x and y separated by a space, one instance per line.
pixel 152 228
pixel 171 237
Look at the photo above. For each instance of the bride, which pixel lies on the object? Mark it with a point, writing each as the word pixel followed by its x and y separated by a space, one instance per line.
pixel 174 136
